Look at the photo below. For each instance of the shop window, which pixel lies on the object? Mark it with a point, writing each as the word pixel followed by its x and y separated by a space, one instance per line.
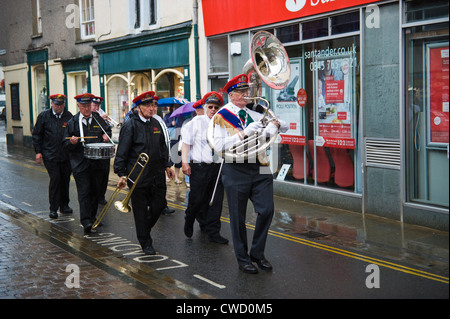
pixel 420 10
pixel 117 98
pixel 87 19
pixel 218 55
pixel 289 33
pixel 427 114
pixel 76 84
pixel 321 107
pixel 345 23
pixel 315 29
pixel 40 93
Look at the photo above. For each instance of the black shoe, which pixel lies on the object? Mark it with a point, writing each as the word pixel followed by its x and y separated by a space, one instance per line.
pixel 149 250
pixel 167 211
pixel 188 229
pixel 218 239
pixel 248 268
pixel 53 215
pixel 102 202
pixel 66 210
pixel 263 263
pixel 88 228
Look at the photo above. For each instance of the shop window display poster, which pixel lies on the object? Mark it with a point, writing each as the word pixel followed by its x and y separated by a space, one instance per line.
pixel 438 90
pixel 334 102
pixel 287 108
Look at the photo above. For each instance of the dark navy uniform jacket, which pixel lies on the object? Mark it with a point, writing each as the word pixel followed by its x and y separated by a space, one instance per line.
pixel 48 135
pixel 138 137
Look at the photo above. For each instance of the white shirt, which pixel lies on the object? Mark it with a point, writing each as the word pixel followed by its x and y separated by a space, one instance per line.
pixel 194 135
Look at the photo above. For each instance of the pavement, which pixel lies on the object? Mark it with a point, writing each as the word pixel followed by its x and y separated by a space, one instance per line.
pixel 42 260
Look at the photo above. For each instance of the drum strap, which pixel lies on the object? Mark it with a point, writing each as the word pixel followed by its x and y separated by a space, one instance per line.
pixel 80 124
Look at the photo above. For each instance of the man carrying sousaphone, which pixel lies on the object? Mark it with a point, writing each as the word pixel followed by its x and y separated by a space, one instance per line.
pixel 144 134
pixel 84 129
pixel 245 180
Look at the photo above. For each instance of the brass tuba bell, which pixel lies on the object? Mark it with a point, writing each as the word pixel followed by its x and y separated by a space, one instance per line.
pixel 269 62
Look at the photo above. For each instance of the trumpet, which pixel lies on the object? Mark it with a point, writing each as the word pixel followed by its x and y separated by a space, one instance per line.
pixel 123 205
pixel 108 119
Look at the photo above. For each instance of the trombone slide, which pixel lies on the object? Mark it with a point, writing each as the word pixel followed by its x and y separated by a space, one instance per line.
pixel 123 206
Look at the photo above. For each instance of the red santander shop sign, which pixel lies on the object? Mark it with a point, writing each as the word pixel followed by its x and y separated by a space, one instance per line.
pixel 222 16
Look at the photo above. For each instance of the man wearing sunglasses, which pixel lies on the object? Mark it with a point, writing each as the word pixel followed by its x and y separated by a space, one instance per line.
pixel 203 171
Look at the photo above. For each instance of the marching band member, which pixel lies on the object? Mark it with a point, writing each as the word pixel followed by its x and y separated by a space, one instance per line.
pixel 203 172
pixel 88 173
pixel 144 134
pixel 47 135
pixel 154 109
pixel 243 181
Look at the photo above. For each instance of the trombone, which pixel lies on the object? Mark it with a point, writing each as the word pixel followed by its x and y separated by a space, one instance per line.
pixel 123 206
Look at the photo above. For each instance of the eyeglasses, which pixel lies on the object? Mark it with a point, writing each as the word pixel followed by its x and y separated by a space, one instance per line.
pixel 216 107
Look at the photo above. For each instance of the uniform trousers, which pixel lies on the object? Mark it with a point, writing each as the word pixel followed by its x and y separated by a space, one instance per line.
pixel 58 188
pixel 88 184
pixel 148 202
pixel 243 181
pixel 203 179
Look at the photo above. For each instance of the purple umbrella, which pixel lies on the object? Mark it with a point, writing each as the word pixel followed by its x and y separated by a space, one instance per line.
pixel 183 109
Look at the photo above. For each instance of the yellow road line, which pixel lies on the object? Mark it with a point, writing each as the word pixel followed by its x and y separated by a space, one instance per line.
pixel 383 263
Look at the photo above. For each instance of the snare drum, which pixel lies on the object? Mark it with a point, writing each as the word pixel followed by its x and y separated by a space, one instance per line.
pixel 99 150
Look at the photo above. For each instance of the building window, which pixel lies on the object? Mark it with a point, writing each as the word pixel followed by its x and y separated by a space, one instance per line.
pixel 338 24
pixel 315 29
pixel 153 12
pixel 345 23
pixel 218 55
pixel 421 10
pixel 289 33
pixel 87 19
pixel 146 14
pixel 137 8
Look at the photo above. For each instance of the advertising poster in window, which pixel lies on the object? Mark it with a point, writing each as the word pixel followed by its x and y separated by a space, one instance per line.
pixel 334 102
pixel 438 77
pixel 287 108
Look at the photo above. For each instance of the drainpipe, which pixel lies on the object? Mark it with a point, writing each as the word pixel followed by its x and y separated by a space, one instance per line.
pixel 197 63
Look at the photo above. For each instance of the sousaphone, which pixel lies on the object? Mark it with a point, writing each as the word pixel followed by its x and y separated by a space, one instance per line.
pixel 269 62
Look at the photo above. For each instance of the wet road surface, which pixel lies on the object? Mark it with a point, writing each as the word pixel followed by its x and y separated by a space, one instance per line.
pixel 316 251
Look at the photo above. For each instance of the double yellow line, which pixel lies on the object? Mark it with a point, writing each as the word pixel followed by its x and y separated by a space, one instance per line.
pixel 350 254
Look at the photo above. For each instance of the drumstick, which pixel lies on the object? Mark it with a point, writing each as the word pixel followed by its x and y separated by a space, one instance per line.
pixel 68 138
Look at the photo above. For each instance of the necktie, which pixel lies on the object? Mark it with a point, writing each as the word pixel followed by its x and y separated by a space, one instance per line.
pixel 87 122
pixel 245 117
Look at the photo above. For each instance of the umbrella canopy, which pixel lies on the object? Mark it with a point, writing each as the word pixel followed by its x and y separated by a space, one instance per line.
pixel 184 109
pixel 168 101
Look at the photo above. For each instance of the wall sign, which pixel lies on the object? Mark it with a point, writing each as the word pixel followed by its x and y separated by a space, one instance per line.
pixel 253 13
